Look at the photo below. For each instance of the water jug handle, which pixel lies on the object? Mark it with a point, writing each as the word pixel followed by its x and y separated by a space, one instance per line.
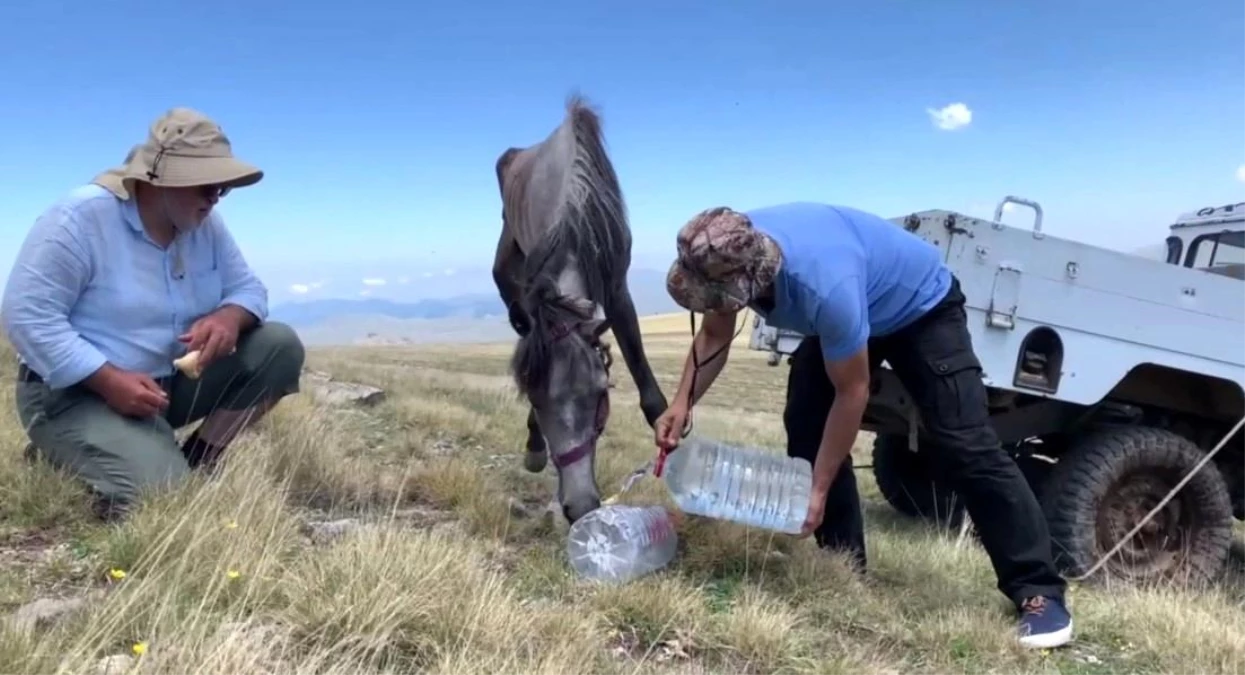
pixel 660 464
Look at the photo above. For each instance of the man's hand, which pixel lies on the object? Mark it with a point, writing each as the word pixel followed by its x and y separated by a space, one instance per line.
pixel 129 393
pixel 669 426
pixel 215 335
pixel 816 512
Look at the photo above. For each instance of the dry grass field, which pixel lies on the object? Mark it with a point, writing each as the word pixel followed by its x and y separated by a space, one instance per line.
pixel 438 557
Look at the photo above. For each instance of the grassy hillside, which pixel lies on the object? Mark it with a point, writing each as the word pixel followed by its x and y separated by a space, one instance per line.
pixel 445 563
pixel 677 325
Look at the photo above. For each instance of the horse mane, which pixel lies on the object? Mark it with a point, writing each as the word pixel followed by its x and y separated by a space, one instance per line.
pixel 587 220
pixel 549 310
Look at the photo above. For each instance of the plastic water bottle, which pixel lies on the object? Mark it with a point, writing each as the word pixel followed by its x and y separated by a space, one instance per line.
pixel 745 485
pixel 616 543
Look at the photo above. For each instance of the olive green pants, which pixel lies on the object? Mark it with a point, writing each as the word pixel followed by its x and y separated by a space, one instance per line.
pixel 118 456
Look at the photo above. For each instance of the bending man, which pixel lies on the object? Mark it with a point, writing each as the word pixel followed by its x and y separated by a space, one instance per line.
pixel 864 290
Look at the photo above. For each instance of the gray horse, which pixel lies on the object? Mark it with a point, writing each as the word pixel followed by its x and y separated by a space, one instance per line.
pixel 561 269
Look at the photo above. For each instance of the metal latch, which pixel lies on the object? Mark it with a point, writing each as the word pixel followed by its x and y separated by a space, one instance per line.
pixel 1004 297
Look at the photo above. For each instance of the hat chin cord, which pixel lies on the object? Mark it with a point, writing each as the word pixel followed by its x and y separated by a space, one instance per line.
pixel 178 272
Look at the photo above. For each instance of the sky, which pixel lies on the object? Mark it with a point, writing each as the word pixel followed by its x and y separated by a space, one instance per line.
pixel 378 123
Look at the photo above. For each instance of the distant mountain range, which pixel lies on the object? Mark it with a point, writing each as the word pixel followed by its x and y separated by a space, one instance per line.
pixel 313 312
pixel 461 318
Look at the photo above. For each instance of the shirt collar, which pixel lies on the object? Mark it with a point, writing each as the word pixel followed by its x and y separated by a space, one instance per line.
pixel 129 211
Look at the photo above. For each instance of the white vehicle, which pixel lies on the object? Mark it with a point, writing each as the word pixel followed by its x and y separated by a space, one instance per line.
pixel 1110 376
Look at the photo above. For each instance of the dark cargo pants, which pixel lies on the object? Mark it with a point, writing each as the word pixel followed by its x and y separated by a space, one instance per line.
pixel 934 359
pixel 119 457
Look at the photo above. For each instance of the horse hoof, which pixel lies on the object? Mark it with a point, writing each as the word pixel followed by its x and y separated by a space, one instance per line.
pixel 535 461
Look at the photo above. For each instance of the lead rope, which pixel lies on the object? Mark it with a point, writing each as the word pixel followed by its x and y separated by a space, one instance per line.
pixel 656 466
pixel 1170 495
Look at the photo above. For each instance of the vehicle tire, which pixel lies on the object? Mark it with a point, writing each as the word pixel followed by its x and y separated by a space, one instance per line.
pixel 905 481
pixel 1109 480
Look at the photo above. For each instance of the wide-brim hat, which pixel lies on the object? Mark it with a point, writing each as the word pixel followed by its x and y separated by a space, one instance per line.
pixel 184 148
pixel 722 262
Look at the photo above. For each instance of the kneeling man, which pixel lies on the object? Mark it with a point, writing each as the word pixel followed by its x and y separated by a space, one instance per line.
pixel 115 281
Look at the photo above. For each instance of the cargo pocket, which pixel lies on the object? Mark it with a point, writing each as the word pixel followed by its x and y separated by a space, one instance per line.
pixel 37 402
pixel 956 396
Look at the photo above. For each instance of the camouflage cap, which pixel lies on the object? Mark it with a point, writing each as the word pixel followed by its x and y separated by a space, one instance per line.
pixel 184 148
pixel 723 261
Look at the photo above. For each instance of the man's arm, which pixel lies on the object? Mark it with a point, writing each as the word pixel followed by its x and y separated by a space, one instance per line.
pixel 51 270
pixel 850 378
pixel 244 298
pixel 716 331
pixel 843 327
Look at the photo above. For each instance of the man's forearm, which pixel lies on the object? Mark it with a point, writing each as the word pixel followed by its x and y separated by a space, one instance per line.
pixel 705 346
pixel 101 380
pixel 50 346
pixel 838 436
pixel 241 317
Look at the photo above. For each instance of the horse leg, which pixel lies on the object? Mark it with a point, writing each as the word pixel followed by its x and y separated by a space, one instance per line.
pixel 537 454
pixel 620 310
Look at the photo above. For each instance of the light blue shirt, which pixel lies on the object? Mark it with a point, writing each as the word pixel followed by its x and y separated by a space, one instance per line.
pixel 89 286
pixel 848 275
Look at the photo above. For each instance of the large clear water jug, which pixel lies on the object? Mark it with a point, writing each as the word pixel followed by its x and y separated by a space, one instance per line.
pixel 617 542
pixel 745 485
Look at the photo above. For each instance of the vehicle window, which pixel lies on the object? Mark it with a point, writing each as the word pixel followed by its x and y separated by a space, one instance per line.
pixel 1217 250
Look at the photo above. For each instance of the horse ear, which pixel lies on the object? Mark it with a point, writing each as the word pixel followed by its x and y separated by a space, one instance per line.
pixel 502 164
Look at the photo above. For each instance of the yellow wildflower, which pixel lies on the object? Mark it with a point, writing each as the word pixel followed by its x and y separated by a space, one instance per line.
pixel 117 574
pixel 139 648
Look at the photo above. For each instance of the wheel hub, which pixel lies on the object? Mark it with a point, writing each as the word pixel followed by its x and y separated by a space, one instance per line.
pixel 1160 544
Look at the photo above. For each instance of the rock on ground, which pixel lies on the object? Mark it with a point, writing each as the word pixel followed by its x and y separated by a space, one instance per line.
pixel 44 611
pixel 323 387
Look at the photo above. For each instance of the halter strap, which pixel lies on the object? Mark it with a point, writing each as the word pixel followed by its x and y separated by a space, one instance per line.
pixel 581 451
pixel 577 453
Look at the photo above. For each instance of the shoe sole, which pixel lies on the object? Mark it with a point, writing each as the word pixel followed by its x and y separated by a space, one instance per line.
pixel 1049 640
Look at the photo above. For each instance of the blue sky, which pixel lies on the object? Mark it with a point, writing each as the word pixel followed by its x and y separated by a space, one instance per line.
pixel 378 123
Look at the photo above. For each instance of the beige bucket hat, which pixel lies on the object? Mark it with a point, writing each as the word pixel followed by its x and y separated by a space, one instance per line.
pixel 722 262
pixel 184 148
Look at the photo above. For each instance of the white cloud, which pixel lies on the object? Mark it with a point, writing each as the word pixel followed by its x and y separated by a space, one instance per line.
pixel 1240 173
pixel 427 275
pixel 404 280
pixel 303 289
pixel 951 117
pixel 449 272
pixel 373 282
pixel 365 292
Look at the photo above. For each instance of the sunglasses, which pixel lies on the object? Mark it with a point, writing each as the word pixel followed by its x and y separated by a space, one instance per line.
pixel 214 191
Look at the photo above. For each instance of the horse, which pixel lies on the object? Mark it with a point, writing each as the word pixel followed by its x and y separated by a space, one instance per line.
pixel 560 268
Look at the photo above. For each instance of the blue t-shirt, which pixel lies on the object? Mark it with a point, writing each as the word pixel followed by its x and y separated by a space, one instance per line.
pixel 848 275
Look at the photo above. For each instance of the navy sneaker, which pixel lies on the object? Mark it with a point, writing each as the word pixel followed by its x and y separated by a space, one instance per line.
pixel 1044 623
